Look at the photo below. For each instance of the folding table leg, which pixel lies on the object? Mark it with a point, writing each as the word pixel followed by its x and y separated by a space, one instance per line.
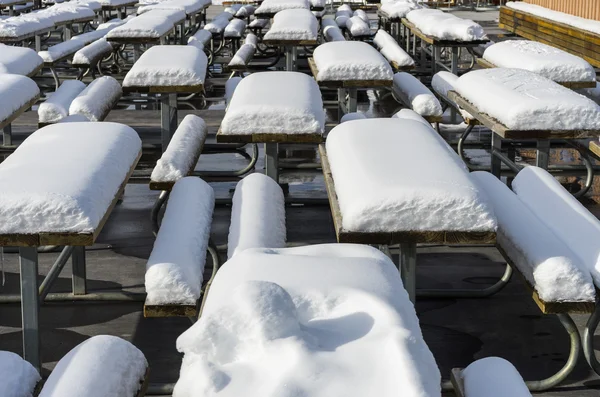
pixel 496 163
pixel 28 261
pixel 272 161
pixel 408 269
pixel 78 279
pixel 168 118
pixel 341 103
pixel 7 135
pixel 352 100
pixel 542 153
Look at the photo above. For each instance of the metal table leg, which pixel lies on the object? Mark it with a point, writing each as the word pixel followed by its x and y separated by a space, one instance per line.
pixel 542 153
pixel 28 261
pixel 408 268
pixel 272 161
pixel 352 100
pixel 38 43
pixel 588 340
pixel 341 103
pixel 78 278
pixel 7 135
pixel 291 53
pixel 168 118
pixel 496 163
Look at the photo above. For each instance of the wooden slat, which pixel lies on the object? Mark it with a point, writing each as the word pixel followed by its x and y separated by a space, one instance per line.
pixel 289 42
pixel 269 138
pixel 390 238
pixel 18 112
pixel 442 43
pixel 595 147
pixel 171 310
pixel 165 89
pixel 346 83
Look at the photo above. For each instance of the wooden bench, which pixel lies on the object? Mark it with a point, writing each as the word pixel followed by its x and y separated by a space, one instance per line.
pixel 17 94
pixel 89 58
pixel 389 48
pixel 97 99
pixel 409 91
pixel 59 53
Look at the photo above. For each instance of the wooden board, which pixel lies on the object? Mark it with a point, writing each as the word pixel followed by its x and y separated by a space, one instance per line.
pixel 269 138
pixel 347 83
pixel 284 43
pixel 137 40
pixel 18 112
pixel 165 89
pixel 390 238
pixel 67 238
pixel 457 381
pixel 171 310
pixel 442 43
pixel 595 147
pixel 507 133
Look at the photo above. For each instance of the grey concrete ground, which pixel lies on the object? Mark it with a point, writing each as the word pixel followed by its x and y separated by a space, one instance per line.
pixel 458 331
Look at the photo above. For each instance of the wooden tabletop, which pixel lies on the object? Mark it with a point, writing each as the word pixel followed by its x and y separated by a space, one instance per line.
pixel 166 89
pixel 437 42
pixel 289 42
pixel 347 83
pixel 269 138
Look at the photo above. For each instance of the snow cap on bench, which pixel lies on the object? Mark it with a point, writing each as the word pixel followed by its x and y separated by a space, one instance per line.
pixel 148 25
pixel 97 99
pixel 350 60
pixel 293 25
pixel 19 377
pixel 15 92
pixel 200 38
pixel 445 26
pixel 414 93
pixel 274 6
pixel 398 9
pixel 493 377
pixel 56 107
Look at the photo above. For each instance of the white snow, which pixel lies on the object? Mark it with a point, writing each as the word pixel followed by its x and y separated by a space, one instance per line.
pixel 409 114
pixel 493 377
pixel 257 215
pixel 251 39
pixel 350 60
pixel 155 67
pixel 571 20
pixel 23 25
pixel 15 91
pixel 564 215
pixel 97 34
pixel 259 23
pixel 293 24
pixel 398 9
pixel 443 82
pixel 358 27
pixel 92 51
pixel 56 107
pixel 245 11
pixel 18 60
pixel 66 12
pixel 97 99
pixel 235 28
pixel 176 16
pixel 114 3
pixel 165 5
pixel 545 261
pixel 49 187
pixel 592 93
pixel 243 55
pixel 352 116
pixel 391 50
pixel 275 102
pixel 412 92
pixel 233 9
pixel 274 6
pixel 102 366
pixel 317 3
pixel 61 50
pixel 550 62
pixel 182 151
pixel 201 38
pixel 174 271
pixel 148 25
pixel 19 377
pixel 383 39
pixel 333 33
pixel 230 87
pixel 372 162
pixel 445 26
pixel 217 25
pixel 74 118
pixel 362 15
pixel 523 100
pixel 302 322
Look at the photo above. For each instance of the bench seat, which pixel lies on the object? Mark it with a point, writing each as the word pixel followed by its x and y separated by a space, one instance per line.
pixel 331 31
pixel 293 25
pixel 357 27
pixel 390 49
pixel 56 107
pixel 242 57
pixel 219 23
pixel 444 82
pixel 235 29
pixel 97 99
pixel 90 55
pixel 396 10
pixel 416 96
pixel 19 377
pixel 147 26
pixel 19 60
pixel 17 94
pixel 444 26
pixel 60 51
pixel 200 39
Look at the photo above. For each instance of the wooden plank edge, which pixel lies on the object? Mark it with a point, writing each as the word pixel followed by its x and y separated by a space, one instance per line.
pixel 174 310
pixel 269 138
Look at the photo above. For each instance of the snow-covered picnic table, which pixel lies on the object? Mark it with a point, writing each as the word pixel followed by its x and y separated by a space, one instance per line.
pixel 19 60
pixel 22 28
pixel 376 198
pixel 268 8
pixel 10 4
pixel 17 94
pixel 168 70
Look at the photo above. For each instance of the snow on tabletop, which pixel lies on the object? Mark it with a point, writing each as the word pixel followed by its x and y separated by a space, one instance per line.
pixel 443 82
pixel 181 153
pixel 563 214
pixel 378 190
pixel 523 100
pixel 91 4
pixel 200 38
pixel 114 3
pixel 398 9
pixel 350 60
pixel 174 271
pixel 15 91
pixel 257 215
pixel 217 25
pixel 97 99
pixel 166 5
pixel 235 28
pixel 409 114
pixel 61 50
pixel 546 261
pixel 358 27
pixel 230 87
pixel 493 377
pixel 19 377
pixel 18 60
pixel 23 25
pixel 339 310
pixel 155 67
pixel 274 6
pixel 146 25
pixel 328 22
pixel 251 39
pixel 102 366
pixel 445 26
pixel 49 187
pixel 92 51
pixel 275 103
pixel 352 116
pixel 333 33
pixel 411 91
pixel 243 55
pixel 293 25
pixel 56 107
pixel 550 62
pixel 577 22
pixel 174 15
pixel 245 11
pixel 66 12
pixel 592 93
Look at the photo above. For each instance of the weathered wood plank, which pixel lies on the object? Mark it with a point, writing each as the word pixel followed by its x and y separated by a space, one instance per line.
pixel 595 147
pixel 164 89
pixel 171 310
pixel 269 138
pixel 284 43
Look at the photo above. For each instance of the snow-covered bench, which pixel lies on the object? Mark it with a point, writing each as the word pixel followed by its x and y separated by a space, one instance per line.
pixel 399 207
pixel 342 14
pixel 242 57
pixel 19 377
pixel 89 57
pixel 175 268
pixel 389 48
pixel 358 26
pixel 234 32
pixel 557 65
pixel 413 94
pixel 325 303
pixel 200 39
pixel 331 31
pixel 257 26
pixel 269 8
pixel 103 366
pixel 148 28
pixel 444 82
pixel 23 28
pixel 489 377
pixel 19 60
pixel 17 94
pixel 54 195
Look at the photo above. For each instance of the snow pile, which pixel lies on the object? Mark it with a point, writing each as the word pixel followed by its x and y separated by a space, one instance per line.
pixel 102 366
pixel 88 54
pixel 293 25
pixel 217 25
pixel 443 82
pixel 592 93
pixel 230 87
pixel 274 6
pixel 19 377
pixel 494 377
pixel 358 27
pixel 18 60
pixel 97 99
pixel 302 321
pixel 350 60
pixel 362 15
pixel 200 39
pixel 114 3
pixel 61 50
pixel 165 5
pixel 174 271
pixel 183 150
pixel 49 187
pixel 176 16
pixel 245 11
pixel 378 190
pixel 409 114
pixel 155 67
pixel 333 33
pixel 317 4
pixel 547 263
pixel 391 50
pixel 577 22
pixel 398 9
pixel 147 25
pixel 523 100
pixel 342 14
pixel 251 39
pixel 66 12
pixel 413 93
pixel 550 62
pixel 563 214
pixel 275 102
pixel 235 28
pixel 444 26
pixel 15 91
pixel 190 7
pixel 257 215
pixel 352 116
pixel 24 25
pixel 259 23
pixel 243 55
pixel 56 107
